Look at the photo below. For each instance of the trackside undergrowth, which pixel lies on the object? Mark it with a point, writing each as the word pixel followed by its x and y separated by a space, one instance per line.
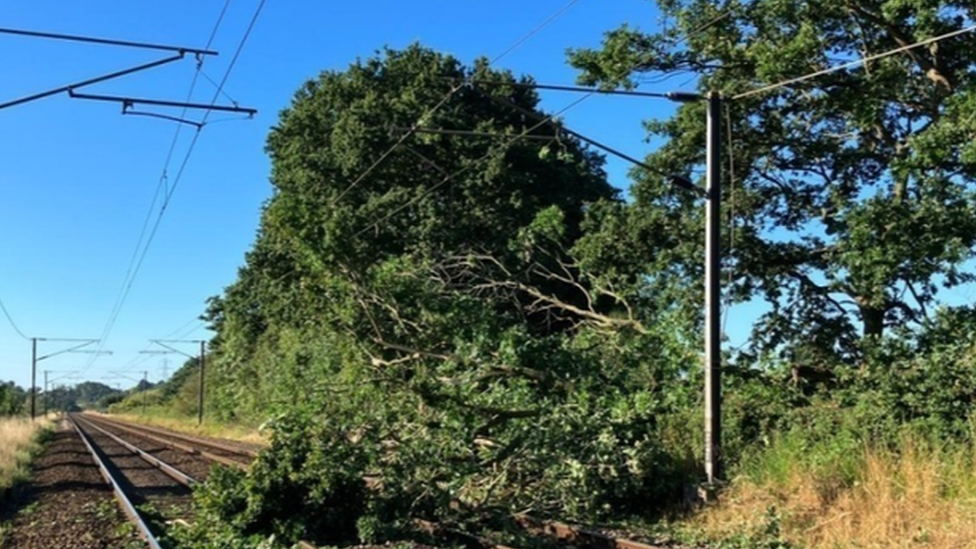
pixel 20 440
pixel 916 494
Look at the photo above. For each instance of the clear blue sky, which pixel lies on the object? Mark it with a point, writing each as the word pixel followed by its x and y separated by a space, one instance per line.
pixel 77 179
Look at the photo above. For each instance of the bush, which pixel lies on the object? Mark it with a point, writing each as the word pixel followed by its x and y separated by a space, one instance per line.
pixel 308 486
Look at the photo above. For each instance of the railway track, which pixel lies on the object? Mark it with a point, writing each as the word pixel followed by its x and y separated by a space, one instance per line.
pixel 151 473
pixel 135 483
pixel 184 460
pixel 233 454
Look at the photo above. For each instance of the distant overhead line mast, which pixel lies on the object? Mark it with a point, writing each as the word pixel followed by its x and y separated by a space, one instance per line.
pixel 77 348
pixel 201 358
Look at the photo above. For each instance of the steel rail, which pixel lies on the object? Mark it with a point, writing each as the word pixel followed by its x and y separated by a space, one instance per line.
pixel 123 500
pixel 182 447
pixel 187 438
pixel 139 431
pixel 580 536
pixel 169 470
pixel 466 539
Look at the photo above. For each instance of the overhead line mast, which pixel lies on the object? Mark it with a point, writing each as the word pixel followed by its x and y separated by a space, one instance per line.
pixel 78 348
pixel 202 357
pixel 180 53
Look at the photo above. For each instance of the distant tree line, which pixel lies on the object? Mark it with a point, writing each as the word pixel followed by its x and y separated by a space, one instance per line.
pixel 12 399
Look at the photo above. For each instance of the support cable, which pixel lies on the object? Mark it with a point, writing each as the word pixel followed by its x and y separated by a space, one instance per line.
pixel 854 63
pixel 181 328
pixel 677 96
pixel 89 82
pixel 168 194
pixel 731 155
pixel 680 97
pixel 10 319
pixel 443 101
pixel 107 41
pixel 451 176
pixel 162 185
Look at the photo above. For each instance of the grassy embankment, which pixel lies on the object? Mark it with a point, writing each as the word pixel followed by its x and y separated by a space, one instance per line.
pixel 918 495
pixel 161 417
pixel 20 440
pixel 179 413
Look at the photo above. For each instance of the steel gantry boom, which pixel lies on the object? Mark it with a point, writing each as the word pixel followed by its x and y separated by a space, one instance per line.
pixel 180 52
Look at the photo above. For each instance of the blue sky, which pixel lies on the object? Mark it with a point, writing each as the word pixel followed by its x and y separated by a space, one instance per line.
pixel 77 178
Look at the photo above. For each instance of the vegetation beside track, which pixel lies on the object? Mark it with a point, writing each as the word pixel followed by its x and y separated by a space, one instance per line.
pixel 161 416
pixel 20 440
pixel 474 328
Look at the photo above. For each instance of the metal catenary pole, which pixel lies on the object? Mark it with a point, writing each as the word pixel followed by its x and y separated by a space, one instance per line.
pixel 35 359
pixel 202 358
pixel 202 378
pixel 713 298
pixel 49 381
pixel 33 377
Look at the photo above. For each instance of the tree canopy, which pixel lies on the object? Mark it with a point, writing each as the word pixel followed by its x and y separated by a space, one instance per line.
pixel 12 399
pixel 479 326
pixel 851 193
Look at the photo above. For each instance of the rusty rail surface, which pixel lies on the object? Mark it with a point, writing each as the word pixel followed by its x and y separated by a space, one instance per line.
pixel 166 439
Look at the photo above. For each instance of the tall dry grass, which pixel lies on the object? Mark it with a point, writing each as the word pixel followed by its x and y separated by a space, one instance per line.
pixel 18 440
pixel 918 496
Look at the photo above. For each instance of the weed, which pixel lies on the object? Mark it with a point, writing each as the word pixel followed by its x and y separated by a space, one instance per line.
pixel 30 508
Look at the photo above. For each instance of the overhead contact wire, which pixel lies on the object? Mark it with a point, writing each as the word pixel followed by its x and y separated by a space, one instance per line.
pixel 134 268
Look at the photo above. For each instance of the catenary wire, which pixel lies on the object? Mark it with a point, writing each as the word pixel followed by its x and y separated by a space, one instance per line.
pixel 10 319
pixel 854 63
pixel 161 187
pixel 545 120
pixel 447 97
pixel 169 192
pixel 162 184
pixel 491 151
pixel 181 328
pixel 186 158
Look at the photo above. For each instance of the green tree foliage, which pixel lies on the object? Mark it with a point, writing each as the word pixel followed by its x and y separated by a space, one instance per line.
pixel 515 338
pixel 89 395
pixel 442 348
pixel 12 399
pixel 854 201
